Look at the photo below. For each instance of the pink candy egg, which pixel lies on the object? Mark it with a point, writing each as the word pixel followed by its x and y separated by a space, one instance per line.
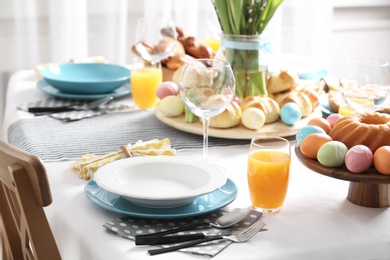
pixel 332 119
pixel 167 88
pixel 358 159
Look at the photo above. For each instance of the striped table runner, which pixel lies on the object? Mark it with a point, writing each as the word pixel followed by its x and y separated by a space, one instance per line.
pixel 55 140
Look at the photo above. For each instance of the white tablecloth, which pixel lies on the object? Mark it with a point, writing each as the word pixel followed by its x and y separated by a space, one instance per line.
pixel 316 222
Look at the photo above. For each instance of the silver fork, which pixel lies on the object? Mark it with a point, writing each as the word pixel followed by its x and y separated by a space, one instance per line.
pixel 237 237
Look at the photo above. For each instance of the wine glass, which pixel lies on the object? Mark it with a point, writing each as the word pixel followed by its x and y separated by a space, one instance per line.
pixel 155 38
pixel 365 83
pixel 207 87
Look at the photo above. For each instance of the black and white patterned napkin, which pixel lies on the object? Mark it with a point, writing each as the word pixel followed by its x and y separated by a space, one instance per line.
pixel 74 115
pixel 128 227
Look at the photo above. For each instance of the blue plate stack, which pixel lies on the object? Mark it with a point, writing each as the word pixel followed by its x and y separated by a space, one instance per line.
pixel 85 80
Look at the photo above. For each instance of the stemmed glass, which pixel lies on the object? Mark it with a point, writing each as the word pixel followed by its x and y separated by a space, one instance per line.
pixel 155 38
pixel 207 87
pixel 155 41
pixel 365 83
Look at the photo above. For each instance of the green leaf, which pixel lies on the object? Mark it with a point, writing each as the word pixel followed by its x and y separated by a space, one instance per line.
pixel 235 8
pixel 268 13
pixel 221 9
pixel 233 15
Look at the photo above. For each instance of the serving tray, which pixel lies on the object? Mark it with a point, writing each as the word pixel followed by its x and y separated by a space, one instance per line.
pixel 239 132
pixel 369 189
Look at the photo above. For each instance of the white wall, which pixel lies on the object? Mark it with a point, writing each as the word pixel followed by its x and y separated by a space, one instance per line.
pixel 335 30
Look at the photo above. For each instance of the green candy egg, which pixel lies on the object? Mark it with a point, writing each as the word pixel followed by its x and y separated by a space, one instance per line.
pixel 332 154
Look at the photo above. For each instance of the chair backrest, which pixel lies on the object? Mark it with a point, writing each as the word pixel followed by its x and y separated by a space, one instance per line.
pixel 24 191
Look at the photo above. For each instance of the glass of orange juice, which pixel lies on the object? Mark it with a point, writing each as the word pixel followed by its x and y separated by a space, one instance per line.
pixel 213 42
pixel 145 79
pixel 268 172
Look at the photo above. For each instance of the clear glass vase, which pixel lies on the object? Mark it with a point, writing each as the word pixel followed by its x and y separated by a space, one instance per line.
pixel 248 56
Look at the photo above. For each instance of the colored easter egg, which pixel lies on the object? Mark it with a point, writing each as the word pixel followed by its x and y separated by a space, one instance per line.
pixel 167 88
pixel 332 119
pixel 332 154
pixel 382 159
pixel 253 118
pixel 312 143
pixel 171 106
pixel 306 130
pixel 321 122
pixel 358 159
pixel 290 113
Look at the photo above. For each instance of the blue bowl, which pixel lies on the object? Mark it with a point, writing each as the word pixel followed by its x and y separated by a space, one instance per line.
pixel 86 78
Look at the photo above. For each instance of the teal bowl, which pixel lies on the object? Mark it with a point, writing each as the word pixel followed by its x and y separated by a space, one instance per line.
pixel 86 78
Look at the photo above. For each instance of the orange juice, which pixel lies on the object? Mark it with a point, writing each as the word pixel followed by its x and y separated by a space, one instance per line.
pixel 144 83
pixel 268 174
pixel 345 110
pixel 213 43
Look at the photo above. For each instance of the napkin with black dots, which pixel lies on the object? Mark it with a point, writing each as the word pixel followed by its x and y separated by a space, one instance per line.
pixel 75 115
pixel 128 227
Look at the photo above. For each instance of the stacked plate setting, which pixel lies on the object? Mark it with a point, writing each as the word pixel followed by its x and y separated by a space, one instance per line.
pixel 84 80
pixel 160 181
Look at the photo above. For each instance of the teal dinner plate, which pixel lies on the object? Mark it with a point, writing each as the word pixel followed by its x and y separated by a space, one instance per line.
pixel 203 204
pixel 86 78
pixel 46 88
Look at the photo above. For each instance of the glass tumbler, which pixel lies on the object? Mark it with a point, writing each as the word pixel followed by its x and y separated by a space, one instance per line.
pixel 145 78
pixel 268 172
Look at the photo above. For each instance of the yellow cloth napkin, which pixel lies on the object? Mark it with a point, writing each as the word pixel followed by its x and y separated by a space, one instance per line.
pixel 88 164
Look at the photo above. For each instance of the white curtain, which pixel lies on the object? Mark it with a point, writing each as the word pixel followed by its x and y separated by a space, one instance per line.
pixel 40 31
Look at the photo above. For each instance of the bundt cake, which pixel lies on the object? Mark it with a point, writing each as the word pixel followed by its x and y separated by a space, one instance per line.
pixel 371 129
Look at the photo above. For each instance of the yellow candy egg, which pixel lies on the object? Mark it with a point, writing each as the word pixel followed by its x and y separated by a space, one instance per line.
pixel 253 118
pixel 171 106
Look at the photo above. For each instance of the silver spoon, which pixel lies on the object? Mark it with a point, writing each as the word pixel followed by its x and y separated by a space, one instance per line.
pixel 224 221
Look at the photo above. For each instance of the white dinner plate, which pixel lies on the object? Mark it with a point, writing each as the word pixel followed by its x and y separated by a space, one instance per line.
pixel 160 181
pixel 201 205
pixel 46 88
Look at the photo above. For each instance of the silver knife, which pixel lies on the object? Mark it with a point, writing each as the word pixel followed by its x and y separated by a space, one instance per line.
pixel 90 106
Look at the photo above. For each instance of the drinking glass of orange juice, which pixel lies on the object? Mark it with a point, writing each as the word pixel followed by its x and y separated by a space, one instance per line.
pixel 268 172
pixel 145 79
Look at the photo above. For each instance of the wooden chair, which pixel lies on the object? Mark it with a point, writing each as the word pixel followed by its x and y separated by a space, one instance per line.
pixel 24 191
